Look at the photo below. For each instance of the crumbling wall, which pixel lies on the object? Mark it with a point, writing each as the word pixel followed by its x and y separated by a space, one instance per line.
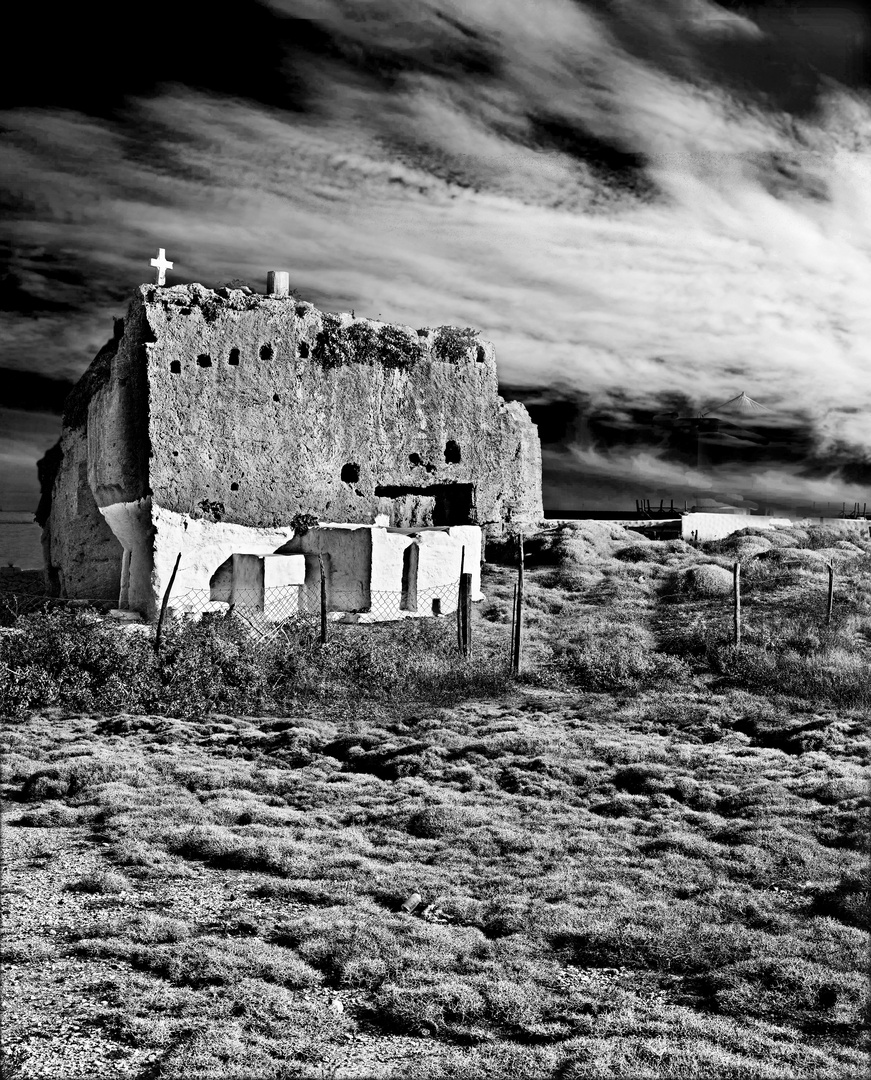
pixel 241 412
pixel 82 556
pixel 263 407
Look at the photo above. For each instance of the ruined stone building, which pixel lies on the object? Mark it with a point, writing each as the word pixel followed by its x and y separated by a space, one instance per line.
pixel 217 422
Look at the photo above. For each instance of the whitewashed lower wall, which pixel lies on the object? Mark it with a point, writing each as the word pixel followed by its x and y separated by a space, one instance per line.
pixel 716 526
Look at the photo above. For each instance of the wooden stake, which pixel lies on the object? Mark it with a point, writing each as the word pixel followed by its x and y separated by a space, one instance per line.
pixel 517 643
pixel 323 601
pixel 513 626
pixel 460 602
pixel 466 594
pixel 830 567
pixel 162 615
pixel 736 577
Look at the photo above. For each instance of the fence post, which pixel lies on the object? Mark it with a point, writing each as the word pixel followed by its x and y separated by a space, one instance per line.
pixel 517 642
pixel 466 599
pixel 162 615
pixel 323 600
pixel 736 577
pixel 831 569
pixel 513 626
pixel 460 601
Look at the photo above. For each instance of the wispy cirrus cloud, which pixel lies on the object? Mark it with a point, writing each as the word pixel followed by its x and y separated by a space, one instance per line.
pixel 600 189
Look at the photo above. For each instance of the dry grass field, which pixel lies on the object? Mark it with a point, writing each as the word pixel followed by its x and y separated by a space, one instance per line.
pixel 647 857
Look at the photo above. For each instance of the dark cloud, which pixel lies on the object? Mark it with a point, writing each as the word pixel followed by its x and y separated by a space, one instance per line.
pixel 94 61
pixel 808 41
pixel 32 392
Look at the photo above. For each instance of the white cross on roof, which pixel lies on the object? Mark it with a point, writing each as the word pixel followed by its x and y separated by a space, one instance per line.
pixel 162 264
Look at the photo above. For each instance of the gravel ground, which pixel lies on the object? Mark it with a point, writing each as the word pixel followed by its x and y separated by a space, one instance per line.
pixel 55 1009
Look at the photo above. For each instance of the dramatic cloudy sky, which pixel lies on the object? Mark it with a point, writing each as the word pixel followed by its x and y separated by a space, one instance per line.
pixel 647 205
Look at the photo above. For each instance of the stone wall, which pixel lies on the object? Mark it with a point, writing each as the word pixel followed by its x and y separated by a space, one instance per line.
pixel 261 408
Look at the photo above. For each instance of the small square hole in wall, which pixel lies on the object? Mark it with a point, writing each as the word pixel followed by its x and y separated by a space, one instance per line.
pixel 275 397
pixel 233 360
pixel 204 360
pixel 234 486
pixel 303 349
pixel 266 352
pixel 350 473
pixel 452 452
pixel 175 367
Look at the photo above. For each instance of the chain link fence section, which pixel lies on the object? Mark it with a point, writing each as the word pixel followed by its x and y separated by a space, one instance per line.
pixel 287 610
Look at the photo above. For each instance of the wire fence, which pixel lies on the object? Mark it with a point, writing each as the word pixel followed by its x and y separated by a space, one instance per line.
pixel 287 609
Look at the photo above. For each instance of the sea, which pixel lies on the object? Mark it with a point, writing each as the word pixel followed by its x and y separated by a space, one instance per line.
pixel 20 540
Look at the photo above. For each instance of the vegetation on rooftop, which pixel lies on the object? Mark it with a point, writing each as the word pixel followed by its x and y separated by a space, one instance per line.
pixel 452 344
pixel 337 345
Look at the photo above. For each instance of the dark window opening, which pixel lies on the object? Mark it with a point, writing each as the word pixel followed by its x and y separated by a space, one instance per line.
pixel 275 397
pixel 452 452
pixel 350 473
pixel 303 349
pixel 417 460
pixel 175 453
pixel 480 355
pixel 175 367
pixel 452 504
pixel 266 352
pixel 234 486
pixel 234 358
pixel 204 360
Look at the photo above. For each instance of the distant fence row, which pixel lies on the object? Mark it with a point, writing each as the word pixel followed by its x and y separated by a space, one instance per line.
pixel 311 609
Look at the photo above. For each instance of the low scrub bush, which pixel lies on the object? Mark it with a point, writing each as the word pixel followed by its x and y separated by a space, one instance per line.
pixel 428 1009
pixel 850 900
pixel 682 944
pixel 72 659
pixel 786 990
pixel 102 882
pixel 635 553
pixel 213 962
pixel 708 579
pixel 835 676
pixel 606 655
pixel 75 661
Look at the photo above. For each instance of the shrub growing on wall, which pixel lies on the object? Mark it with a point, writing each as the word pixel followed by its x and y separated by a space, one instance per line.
pixel 301 523
pixel 452 343
pixel 396 348
pixel 332 347
pixel 363 341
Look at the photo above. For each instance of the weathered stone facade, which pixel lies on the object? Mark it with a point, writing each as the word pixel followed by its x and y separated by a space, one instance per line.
pixel 225 411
